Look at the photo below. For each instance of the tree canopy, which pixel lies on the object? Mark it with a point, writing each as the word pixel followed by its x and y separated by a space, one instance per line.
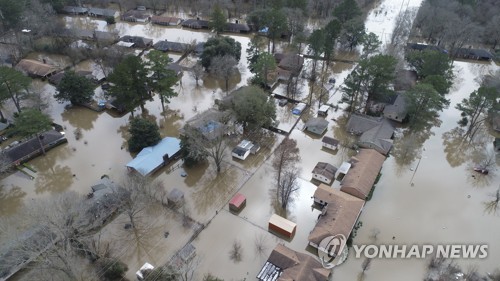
pixel 31 122
pixel 163 79
pixel 253 108
pixel 220 46
pixel 13 85
pixel 74 88
pixel 224 67
pixel 143 133
pixel 264 65
pixel 368 81
pixel 475 108
pixel 129 83
pixel 347 10
pixel 427 63
pixel 424 103
pixel 217 19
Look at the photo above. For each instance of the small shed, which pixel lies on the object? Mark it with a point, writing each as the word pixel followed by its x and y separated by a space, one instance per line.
pixel 297 110
pixel 324 172
pixel 175 197
pixel 330 143
pixel 323 110
pixel 282 226
pixel 244 148
pixel 237 203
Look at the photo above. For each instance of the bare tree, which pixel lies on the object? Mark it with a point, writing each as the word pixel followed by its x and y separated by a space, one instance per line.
pixel 287 186
pixel 260 244
pixel 200 143
pixel 285 156
pixel 197 72
pixel 491 206
pixel 236 251
pixel 224 67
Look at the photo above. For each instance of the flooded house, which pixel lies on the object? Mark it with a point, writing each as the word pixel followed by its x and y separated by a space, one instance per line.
pixel 330 143
pixel 136 16
pixel 473 54
pixel 424 47
pixel 290 62
pixel 405 80
pixel 32 147
pixel 244 148
pixel 56 78
pixel 152 158
pixel 105 13
pixel 36 69
pixel 339 213
pixel 286 264
pixel 398 110
pixel 373 132
pixel 364 170
pixel 74 10
pixel 169 46
pixel 195 24
pixel 316 126
pixel 324 172
pixel 136 42
pixel 237 27
pixel 166 21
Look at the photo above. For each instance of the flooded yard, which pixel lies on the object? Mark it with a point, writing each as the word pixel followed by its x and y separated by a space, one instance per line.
pixel 429 200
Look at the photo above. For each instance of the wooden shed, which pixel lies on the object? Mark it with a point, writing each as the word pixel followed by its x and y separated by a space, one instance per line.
pixel 282 226
pixel 237 203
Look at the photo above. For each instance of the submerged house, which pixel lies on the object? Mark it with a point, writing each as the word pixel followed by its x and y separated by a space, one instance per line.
pixel 36 69
pixel 137 41
pixel 374 132
pixel 290 62
pixel 284 264
pixel 364 170
pixel 324 172
pixel 237 27
pixel 136 16
pixel 330 143
pixel 168 46
pixel 195 24
pixel 473 54
pixel 340 212
pixel 168 21
pixel 99 12
pixel 152 158
pixel 74 10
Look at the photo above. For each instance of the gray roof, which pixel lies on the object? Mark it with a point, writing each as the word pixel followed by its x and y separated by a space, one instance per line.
pixel 330 141
pixel 175 195
pixel 376 132
pixel 139 42
pixel 168 46
pixel 102 12
pixel 316 125
pixel 74 10
pixel 325 169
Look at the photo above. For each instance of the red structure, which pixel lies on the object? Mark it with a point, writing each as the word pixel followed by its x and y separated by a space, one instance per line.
pixel 237 203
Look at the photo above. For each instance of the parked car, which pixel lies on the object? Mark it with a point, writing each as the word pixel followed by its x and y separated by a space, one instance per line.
pixel 282 102
pixel 481 170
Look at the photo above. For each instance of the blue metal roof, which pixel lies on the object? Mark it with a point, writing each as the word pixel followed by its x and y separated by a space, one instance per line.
pixel 151 157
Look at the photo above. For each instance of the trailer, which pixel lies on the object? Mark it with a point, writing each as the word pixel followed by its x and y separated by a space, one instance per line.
pixel 282 226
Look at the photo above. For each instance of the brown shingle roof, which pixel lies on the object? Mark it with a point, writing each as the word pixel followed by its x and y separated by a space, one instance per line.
pixel 342 212
pixel 35 68
pixel 325 169
pixel 361 177
pixel 330 141
pixel 297 266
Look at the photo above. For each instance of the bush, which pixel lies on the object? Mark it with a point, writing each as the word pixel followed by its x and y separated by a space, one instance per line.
pixel 144 133
pixel 110 20
pixel 113 268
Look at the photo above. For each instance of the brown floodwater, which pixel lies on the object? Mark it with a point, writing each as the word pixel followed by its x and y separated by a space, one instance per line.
pixel 444 205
